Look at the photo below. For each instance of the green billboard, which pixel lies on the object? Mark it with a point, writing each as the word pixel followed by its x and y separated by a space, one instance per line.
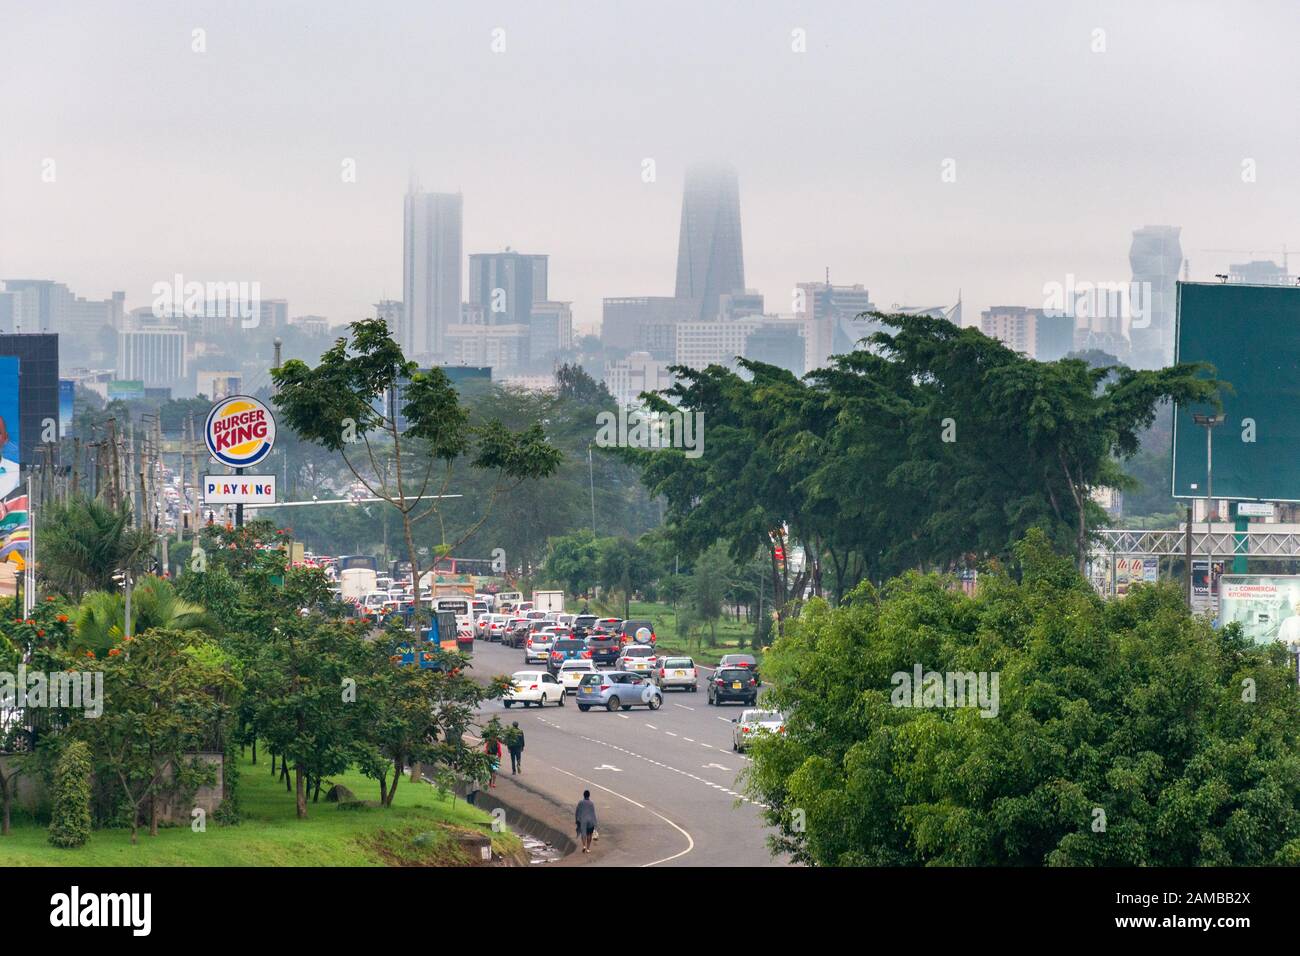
pixel 1251 335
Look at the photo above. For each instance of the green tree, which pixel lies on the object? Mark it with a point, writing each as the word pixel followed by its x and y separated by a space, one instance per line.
pixel 573 561
pixel 625 566
pixel 70 813
pixel 1121 733
pixel 85 542
pixel 401 432
pixel 101 618
pixel 714 576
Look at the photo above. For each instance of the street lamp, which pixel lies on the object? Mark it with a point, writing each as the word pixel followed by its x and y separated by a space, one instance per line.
pixel 1209 423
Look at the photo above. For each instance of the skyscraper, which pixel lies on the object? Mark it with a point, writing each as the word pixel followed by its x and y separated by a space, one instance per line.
pixel 1155 257
pixel 710 260
pixel 431 272
pixel 506 284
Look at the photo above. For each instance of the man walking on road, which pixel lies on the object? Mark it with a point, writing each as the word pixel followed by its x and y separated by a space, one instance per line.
pixel 515 744
pixel 585 819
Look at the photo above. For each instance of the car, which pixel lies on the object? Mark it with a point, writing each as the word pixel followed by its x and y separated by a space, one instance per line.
pixel 572 672
pixel 605 648
pixel 618 690
pixel 733 683
pixel 483 626
pixel 537 646
pixel 533 687
pixel 478 609
pixel 740 660
pixel 582 624
pixel 565 619
pixel 636 657
pixel 631 632
pixel 566 648
pixel 677 672
pixel 514 632
pixel 751 723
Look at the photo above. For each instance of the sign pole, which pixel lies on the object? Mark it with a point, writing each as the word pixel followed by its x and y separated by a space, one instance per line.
pixel 239 508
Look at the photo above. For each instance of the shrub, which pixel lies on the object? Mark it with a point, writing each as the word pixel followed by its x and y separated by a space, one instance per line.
pixel 70 816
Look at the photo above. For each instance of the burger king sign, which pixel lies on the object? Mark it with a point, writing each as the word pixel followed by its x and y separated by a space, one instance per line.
pixel 240 431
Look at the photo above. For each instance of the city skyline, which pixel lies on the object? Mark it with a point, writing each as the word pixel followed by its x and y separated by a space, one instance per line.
pixel 220 207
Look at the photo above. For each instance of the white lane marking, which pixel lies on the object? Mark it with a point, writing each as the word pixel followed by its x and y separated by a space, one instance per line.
pixel 670 733
pixel 652 726
pixel 690 843
pixel 725 720
pixel 623 716
pixel 607 766
pixel 718 765
pixel 688 740
pixel 710 746
pixel 682 706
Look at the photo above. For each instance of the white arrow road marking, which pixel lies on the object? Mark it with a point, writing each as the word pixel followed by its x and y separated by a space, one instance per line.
pixel 718 766
pixel 607 766
pixel 690 843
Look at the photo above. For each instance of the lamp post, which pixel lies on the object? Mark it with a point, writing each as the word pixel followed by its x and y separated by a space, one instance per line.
pixel 1209 423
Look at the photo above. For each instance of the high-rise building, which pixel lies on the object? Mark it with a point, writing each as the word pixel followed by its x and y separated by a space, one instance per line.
pixel 1258 272
pixel 42 305
pixel 1155 257
pixel 393 315
pixel 155 356
pixel 701 344
pixel 740 305
pixel 831 316
pixel 550 330
pixel 38 386
pixel 1014 326
pixel 506 284
pixel 779 342
pixel 627 322
pixel 710 259
pixel 502 347
pixel 640 372
pixel 431 271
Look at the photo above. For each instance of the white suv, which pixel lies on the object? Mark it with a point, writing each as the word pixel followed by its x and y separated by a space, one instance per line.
pixel 677 672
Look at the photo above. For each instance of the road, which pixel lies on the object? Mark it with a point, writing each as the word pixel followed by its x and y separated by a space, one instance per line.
pixel 664 782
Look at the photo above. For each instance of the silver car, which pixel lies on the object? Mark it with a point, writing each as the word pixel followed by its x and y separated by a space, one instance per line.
pixel 751 723
pixel 637 657
pixel 677 672
pixel 615 690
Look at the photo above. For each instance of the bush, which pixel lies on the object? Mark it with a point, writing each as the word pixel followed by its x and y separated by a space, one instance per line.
pixel 70 816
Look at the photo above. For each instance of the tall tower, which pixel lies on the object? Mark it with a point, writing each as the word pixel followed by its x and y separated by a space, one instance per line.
pixel 431 272
pixel 1155 257
pixel 710 260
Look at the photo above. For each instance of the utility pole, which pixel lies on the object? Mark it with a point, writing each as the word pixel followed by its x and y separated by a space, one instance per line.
pixel 1209 423
pixel 591 478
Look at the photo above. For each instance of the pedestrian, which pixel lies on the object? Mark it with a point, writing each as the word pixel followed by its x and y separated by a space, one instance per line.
pixel 515 744
pixel 493 749
pixel 584 817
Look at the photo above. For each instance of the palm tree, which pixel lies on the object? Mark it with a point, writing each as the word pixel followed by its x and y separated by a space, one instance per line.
pixel 85 542
pixel 154 603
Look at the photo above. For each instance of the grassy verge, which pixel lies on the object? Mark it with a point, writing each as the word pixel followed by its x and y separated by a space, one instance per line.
pixel 420 829
pixel 733 636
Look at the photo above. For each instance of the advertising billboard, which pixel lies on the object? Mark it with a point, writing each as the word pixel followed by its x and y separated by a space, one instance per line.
pixel 1267 607
pixel 240 431
pixel 239 489
pixel 67 389
pixel 1251 335
pixel 10 425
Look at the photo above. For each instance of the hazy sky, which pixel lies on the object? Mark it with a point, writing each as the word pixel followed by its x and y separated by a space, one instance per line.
pixel 226 165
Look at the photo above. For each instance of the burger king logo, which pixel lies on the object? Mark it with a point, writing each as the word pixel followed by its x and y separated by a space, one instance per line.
pixel 240 431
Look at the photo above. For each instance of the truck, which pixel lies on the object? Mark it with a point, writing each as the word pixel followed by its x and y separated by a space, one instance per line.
pixel 356 583
pixel 548 601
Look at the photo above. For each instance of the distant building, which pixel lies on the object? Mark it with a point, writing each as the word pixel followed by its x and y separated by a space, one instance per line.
pixel 778 342
pixel 311 324
pixel 506 284
pixel 710 257
pixel 219 384
pixel 530 383
pixel 639 372
pixel 155 356
pixel 393 315
pixel 1155 256
pixel 830 313
pixel 1259 272
pixel 740 305
pixel 502 347
pixel 431 271
pixel 701 344
pixel 550 328
pixel 624 322
pixel 1014 326
pixel 43 305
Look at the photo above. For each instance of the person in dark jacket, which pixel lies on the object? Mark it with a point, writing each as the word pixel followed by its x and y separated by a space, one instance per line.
pixel 584 817
pixel 515 744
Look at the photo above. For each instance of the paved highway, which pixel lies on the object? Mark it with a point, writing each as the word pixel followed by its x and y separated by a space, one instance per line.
pixel 664 782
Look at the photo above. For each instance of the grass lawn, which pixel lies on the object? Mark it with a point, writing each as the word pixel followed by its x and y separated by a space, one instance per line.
pixel 271 834
pixel 733 637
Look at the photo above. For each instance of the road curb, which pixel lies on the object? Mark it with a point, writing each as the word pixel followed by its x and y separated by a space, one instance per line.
pixel 521 819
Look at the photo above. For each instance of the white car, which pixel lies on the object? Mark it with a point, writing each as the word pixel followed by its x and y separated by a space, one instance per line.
pixel 572 672
pixel 678 672
pixel 751 723
pixel 534 687
pixel 483 627
pixel 637 657
pixel 537 647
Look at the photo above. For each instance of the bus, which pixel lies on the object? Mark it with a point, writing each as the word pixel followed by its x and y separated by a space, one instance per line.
pixel 347 561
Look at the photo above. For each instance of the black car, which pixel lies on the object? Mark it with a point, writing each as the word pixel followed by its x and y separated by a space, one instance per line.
pixel 516 633
pixel 733 683
pixel 582 624
pixel 604 646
